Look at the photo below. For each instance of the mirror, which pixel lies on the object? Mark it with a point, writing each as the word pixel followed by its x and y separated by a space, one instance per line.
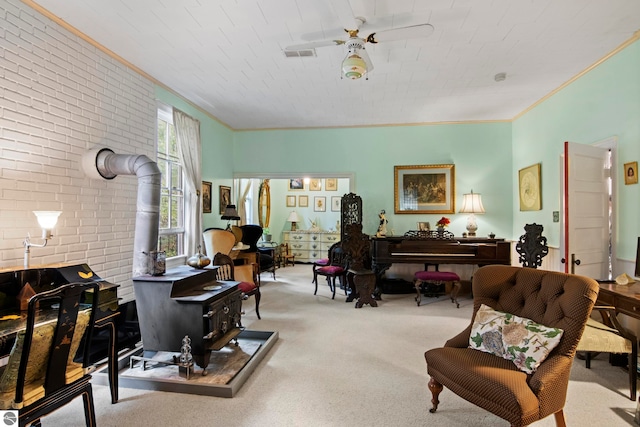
pixel 264 204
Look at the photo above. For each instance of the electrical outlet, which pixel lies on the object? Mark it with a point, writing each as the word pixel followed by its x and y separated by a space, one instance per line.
pixel 556 216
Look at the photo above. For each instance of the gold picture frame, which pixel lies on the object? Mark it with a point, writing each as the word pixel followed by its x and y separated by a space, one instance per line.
pixel 315 184
pixel 530 188
pixel 331 184
pixel 296 184
pixel 320 204
pixel 630 173
pixel 303 201
pixel 424 189
pixel 291 201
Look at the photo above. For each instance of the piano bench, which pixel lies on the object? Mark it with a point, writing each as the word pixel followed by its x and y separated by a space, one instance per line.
pixel 438 277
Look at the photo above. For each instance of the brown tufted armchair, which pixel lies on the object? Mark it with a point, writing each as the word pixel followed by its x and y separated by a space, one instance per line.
pixel 550 298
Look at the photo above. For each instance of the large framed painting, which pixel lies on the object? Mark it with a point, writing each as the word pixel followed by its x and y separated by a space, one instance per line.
pixel 424 189
pixel 529 188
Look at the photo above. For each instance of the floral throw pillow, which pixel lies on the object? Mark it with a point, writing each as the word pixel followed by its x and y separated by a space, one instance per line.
pixel 523 341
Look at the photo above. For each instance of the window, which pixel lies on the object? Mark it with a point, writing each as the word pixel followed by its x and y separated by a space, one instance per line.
pixel 171 233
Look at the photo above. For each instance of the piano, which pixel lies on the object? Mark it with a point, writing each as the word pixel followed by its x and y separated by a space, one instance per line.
pixel 389 250
pixel 47 278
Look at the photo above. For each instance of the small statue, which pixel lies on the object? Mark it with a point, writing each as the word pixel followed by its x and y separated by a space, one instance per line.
pixel 382 228
pixel 314 225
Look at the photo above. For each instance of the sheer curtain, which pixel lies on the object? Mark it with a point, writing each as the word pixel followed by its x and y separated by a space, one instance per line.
pixel 242 203
pixel 190 151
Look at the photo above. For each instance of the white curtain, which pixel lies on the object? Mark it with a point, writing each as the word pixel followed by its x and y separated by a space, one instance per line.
pixel 242 202
pixel 190 151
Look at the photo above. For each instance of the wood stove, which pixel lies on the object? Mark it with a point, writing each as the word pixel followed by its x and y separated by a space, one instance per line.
pixel 187 301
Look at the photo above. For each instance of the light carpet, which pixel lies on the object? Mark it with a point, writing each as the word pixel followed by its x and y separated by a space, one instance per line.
pixel 335 365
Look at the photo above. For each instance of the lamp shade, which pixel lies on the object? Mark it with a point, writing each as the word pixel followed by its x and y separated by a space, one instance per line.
pixel 47 219
pixel 293 217
pixel 354 67
pixel 230 213
pixel 472 203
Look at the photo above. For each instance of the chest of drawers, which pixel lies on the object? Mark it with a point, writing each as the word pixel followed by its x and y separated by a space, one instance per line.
pixel 308 246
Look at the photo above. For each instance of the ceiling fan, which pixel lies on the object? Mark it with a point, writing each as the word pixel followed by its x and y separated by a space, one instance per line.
pixel 357 62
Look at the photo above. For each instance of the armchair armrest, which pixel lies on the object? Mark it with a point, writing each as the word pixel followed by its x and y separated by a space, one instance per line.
pixel 551 381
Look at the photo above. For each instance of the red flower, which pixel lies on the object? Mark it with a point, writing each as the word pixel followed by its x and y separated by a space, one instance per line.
pixel 443 222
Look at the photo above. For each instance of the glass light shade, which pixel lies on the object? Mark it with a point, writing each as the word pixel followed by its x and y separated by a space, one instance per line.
pixel 47 219
pixel 472 203
pixel 293 217
pixel 354 67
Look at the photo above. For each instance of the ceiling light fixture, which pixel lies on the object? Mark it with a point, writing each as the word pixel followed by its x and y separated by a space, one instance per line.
pixel 353 66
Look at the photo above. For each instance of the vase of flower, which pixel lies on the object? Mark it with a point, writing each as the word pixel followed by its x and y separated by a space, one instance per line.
pixel 441 224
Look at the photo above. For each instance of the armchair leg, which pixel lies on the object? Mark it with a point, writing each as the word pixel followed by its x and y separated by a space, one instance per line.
pixel 559 416
pixel 435 387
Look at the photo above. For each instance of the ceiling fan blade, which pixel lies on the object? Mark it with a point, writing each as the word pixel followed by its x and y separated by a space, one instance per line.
pixel 313 45
pixel 410 32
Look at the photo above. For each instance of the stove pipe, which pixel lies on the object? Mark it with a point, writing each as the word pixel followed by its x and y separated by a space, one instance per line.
pixel 104 163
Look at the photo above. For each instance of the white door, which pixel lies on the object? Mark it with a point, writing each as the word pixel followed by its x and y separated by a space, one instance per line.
pixel 586 232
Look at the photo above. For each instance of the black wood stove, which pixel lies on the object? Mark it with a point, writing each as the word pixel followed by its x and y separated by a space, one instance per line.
pixel 187 301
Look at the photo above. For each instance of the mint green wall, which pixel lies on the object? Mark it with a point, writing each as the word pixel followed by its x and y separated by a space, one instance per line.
pixel 481 154
pixel 217 152
pixel 604 102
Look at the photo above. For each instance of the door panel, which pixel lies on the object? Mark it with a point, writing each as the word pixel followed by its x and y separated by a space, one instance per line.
pixel 586 210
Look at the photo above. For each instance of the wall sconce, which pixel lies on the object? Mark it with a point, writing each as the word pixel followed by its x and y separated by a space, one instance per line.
pixel 293 218
pixel 230 213
pixel 47 220
pixel 472 204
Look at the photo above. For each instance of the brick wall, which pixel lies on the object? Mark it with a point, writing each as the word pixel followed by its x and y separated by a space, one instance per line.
pixel 59 97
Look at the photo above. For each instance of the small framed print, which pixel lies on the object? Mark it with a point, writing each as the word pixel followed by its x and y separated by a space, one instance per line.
pixel 315 184
pixel 631 173
pixel 335 203
pixel 530 188
pixel 331 184
pixel 206 197
pixel 224 196
pixel 303 201
pixel 291 201
pixel 296 184
pixel 424 226
pixel 320 204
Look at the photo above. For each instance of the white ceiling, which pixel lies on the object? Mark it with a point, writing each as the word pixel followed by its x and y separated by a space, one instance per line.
pixel 226 56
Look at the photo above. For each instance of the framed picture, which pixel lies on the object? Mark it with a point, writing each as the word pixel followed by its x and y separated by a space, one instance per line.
pixel 331 184
pixel 631 173
pixel 296 184
pixel 291 201
pixel 425 189
pixel 303 201
pixel 315 185
pixel 225 198
pixel 206 197
pixel 529 188
pixel 320 204
pixel 424 226
pixel 335 203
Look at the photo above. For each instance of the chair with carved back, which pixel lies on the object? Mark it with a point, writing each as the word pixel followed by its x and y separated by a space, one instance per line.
pixel 496 363
pixel 335 268
pixel 246 274
pixel 436 278
pixel 41 374
pixel 608 336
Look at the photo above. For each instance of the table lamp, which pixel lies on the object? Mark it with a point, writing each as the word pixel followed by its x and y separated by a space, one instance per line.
pixel 230 213
pixel 472 204
pixel 293 218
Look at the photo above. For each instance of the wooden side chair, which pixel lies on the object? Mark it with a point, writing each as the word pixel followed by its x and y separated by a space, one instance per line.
pixel 336 268
pixel 246 274
pixel 42 375
pixel 608 336
pixel 286 256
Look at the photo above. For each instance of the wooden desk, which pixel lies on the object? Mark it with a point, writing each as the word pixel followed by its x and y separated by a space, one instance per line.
pixel 625 298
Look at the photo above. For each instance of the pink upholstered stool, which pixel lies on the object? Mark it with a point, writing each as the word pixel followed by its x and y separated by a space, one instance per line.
pixel 438 277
